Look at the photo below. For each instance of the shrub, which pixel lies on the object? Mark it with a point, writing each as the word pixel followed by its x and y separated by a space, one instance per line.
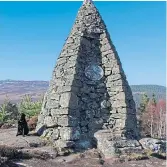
pixel 8 112
pixel 29 107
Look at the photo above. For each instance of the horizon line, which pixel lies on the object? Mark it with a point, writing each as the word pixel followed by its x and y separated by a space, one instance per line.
pixel 49 81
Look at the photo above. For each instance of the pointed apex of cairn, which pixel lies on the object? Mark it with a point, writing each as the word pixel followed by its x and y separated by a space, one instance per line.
pixel 87 2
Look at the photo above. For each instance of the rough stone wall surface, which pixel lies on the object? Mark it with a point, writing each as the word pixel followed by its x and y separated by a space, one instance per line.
pixel 81 106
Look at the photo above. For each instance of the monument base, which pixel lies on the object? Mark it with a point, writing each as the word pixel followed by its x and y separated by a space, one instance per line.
pixel 111 146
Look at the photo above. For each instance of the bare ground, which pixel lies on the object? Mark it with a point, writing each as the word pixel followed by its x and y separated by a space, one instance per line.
pixel 88 162
pixel 90 158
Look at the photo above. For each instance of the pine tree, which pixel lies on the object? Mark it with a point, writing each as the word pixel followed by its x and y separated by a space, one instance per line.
pixel 144 101
pixel 141 110
pixel 154 101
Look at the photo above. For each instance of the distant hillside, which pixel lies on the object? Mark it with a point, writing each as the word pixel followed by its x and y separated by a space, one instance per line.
pixel 138 90
pixel 16 89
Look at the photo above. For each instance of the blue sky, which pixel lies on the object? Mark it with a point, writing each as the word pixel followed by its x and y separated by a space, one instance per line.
pixel 32 35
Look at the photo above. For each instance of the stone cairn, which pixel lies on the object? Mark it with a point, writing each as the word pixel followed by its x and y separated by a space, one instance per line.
pixel 89 102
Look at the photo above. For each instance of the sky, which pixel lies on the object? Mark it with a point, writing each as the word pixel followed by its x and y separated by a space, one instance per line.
pixel 32 35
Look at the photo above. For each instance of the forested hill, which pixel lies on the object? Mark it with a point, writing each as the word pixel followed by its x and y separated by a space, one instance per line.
pixel 148 88
pixel 138 90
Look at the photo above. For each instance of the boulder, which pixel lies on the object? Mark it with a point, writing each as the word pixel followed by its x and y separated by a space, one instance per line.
pixel 112 147
pixel 153 144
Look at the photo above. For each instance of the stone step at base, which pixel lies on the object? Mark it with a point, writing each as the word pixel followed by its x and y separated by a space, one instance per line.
pixel 113 148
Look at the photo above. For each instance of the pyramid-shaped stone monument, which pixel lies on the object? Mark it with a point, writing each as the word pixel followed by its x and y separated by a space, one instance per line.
pixel 89 99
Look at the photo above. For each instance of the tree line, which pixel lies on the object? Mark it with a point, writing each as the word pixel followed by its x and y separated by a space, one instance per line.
pixel 152 117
